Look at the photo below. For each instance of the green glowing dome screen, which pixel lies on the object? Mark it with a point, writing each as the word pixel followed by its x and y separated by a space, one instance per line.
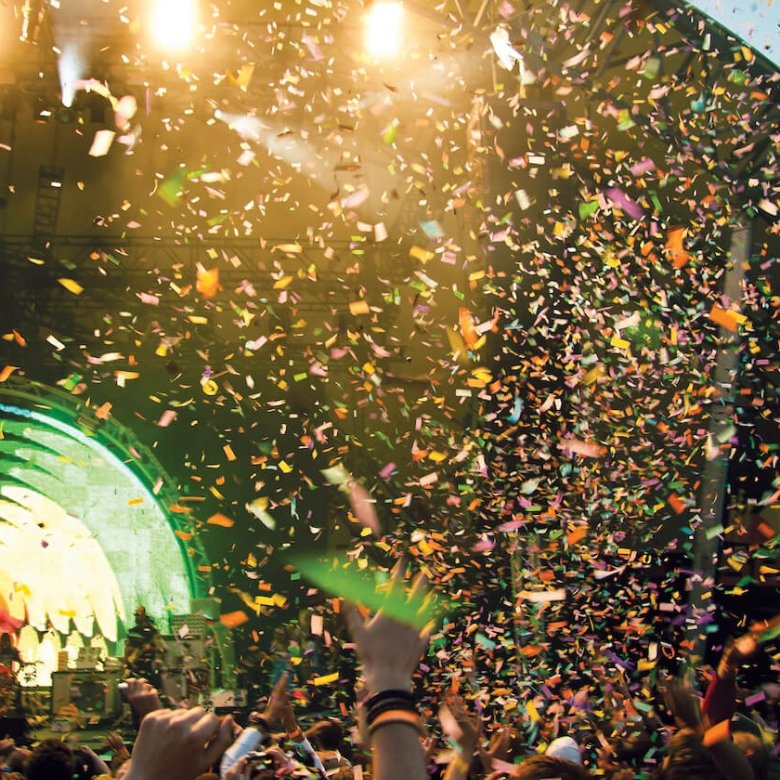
pixel 83 539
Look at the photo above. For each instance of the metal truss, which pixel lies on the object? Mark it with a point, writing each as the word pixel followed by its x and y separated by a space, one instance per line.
pixel 47 201
pixel 117 275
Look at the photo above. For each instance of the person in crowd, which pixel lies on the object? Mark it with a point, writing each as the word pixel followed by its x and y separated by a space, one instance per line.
pixel 13 758
pixel 144 650
pixel 52 759
pixel 327 738
pixel 606 728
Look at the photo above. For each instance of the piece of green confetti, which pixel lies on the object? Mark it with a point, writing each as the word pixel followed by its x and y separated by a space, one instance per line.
pixel 366 588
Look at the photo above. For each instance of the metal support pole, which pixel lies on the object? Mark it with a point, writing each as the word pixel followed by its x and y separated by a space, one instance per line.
pixel 712 494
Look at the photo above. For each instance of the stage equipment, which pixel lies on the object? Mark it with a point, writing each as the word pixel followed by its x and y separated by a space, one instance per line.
pixel 185 653
pixel 86 694
pixel 189 626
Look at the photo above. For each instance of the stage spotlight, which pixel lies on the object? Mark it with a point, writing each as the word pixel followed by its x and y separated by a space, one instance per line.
pixel 383 21
pixel 173 23
pixel 66 115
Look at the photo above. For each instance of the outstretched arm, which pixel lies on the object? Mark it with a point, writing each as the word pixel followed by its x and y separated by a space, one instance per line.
pixel 390 651
pixel 720 701
pixel 467 729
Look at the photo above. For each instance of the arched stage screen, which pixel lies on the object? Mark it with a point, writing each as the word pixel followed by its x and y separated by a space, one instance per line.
pixel 90 526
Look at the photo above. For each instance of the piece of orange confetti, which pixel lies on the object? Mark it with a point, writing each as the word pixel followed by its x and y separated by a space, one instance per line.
pixel 207 281
pixel 726 318
pixel 223 521
pixel 467 327
pixel 6 372
pixel 674 246
pixel 234 619
pixel 676 503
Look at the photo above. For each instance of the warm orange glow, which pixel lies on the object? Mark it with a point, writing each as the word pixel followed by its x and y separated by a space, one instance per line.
pixel 383 23
pixel 173 23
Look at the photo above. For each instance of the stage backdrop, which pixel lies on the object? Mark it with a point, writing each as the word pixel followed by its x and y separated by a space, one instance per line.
pixel 89 527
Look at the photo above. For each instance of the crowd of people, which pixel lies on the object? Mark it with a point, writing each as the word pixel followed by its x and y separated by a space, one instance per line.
pixel 626 729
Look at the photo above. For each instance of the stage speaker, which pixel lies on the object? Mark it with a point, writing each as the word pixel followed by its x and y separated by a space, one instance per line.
pixel 185 654
pixel 189 626
pixel 180 683
pixel 93 694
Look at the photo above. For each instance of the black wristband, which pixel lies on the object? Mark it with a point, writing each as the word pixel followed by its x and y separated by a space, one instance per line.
pixel 390 693
pixel 387 705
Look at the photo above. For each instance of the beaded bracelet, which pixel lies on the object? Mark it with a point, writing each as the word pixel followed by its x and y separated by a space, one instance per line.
pixel 386 701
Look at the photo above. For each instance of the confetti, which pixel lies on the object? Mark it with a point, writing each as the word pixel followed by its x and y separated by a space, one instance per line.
pixel 490 312
pixel 220 520
pixel 102 142
pixel 361 589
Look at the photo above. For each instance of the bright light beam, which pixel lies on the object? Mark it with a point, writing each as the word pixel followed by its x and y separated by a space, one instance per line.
pixel 383 22
pixel 71 70
pixel 173 23
pixel 298 154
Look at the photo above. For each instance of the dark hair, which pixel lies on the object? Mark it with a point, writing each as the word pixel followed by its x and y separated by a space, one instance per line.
pixel 755 751
pixel 326 734
pixel 51 760
pixel 542 767
pixel 688 759
pixel 84 761
pixel 632 746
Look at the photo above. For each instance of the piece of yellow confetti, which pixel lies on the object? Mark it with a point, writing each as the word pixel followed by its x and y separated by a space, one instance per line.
pixel 326 679
pixel 359 307
pixel 71 285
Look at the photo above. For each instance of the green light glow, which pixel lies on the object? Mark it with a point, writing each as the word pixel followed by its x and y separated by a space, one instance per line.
pixel 40 454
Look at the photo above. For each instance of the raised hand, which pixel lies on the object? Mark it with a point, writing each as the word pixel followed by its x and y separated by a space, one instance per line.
pixel 470 725
pixel 179 744
pixel 143 697
pixel 389 649
pixel 279 708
